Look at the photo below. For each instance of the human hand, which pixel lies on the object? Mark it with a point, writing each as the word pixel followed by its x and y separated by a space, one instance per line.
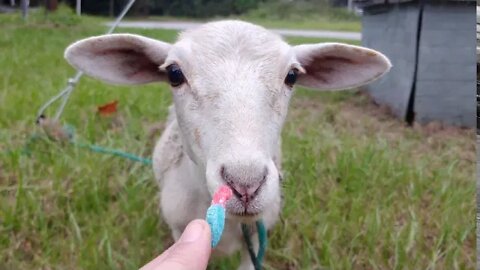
pixel 190 252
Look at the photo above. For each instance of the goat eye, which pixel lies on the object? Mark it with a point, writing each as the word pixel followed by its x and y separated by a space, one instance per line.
pixel 291 77
pixel 175 75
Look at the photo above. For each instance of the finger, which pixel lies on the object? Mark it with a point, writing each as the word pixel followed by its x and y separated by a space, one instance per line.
pixel 191 252
pixel 153 263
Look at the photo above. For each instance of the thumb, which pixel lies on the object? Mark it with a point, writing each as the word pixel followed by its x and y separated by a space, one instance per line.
pixel 190 252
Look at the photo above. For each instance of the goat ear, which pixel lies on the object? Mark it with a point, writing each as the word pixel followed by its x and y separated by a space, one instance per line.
pixel 336 66
pixel 119 58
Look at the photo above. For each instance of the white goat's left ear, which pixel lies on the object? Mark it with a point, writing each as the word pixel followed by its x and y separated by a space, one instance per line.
pixel 336 66
pixel 120 58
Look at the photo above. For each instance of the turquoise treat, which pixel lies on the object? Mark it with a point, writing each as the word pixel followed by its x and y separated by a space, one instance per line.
pixel 216 220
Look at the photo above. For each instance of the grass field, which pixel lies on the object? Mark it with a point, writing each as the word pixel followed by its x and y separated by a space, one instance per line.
pixel 290 15
pixel 315 23
pixel 362 190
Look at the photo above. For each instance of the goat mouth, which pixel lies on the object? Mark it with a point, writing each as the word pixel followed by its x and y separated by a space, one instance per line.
pixel 244 212
pixel 245 217
pixel 239 206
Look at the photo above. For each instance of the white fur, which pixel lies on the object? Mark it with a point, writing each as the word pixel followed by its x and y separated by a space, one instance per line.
pixel 229 113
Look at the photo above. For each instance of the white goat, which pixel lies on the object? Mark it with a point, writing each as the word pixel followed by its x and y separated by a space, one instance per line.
pixel 231 84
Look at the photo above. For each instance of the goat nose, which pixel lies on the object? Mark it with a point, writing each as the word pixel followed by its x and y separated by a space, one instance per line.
pixel 245 181
pixel 244 192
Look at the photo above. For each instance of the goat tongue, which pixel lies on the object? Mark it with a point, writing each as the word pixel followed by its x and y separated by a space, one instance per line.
pixel 223 194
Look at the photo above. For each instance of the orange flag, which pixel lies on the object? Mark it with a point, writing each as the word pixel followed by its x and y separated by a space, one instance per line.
pixel 108 108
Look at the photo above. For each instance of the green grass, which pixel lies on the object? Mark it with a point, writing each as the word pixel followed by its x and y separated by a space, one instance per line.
pixel 309 23
pixel 362 190
pixel 289 15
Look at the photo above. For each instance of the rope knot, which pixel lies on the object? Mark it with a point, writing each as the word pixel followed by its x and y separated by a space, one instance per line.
pixel 72 82
pixel 54 130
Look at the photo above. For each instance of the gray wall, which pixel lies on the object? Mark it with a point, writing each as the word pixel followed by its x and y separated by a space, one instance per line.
pixel 393 32
pixel 447 66
pixel 445 84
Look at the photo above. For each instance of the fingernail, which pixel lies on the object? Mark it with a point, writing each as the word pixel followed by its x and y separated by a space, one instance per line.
pixel 193 231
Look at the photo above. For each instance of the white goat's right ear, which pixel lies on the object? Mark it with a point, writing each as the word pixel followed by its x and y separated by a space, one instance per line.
pixel 119 58
pixel 337 66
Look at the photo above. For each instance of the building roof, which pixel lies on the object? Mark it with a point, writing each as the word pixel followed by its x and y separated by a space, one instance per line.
pixel 366 3
pixel 478 35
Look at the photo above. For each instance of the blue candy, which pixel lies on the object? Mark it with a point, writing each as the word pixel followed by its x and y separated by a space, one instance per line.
pixel 216 219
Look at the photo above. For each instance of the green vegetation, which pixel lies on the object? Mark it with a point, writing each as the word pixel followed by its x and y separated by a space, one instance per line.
pixel 309 23
pixel 307 14
pixel 362 190
pixel 313 14
pixel 294 17
pixel 316 23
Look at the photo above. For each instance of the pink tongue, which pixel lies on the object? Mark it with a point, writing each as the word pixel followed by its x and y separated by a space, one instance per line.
pixel 222 195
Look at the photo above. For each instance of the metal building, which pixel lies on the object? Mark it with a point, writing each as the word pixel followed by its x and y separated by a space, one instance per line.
pixel 432 48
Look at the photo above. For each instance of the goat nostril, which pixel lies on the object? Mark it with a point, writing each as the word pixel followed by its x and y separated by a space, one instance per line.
pixel 223 173
pixel 245 183
pixel 245 193
pixel 236 191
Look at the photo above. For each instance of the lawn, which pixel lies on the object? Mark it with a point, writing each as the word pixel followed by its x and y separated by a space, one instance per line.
pixel 310 23
pixel 289 15
pixel 362 190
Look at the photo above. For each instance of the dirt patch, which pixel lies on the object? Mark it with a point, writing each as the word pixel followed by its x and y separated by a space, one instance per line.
pixel 384 113
pixel 305 103
pixel 363 115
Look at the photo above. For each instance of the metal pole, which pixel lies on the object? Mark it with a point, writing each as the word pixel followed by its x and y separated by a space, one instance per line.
pixel 25 4
pixel 110 11
pixel 79 7
pixel 120 17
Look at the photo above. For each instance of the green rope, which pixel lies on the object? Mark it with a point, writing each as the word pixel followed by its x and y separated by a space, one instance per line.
pixel 262 239
pixel 248 241
pixel 114 152
pixel 261 230
pixel 26 149
pixel 99 149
